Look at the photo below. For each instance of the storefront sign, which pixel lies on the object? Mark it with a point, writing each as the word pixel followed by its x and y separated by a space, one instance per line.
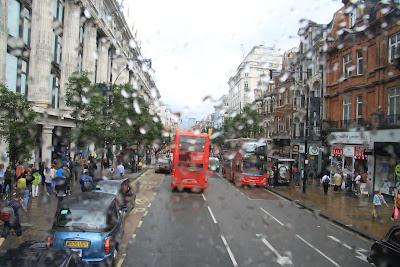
pixel 359 152
pixel 295 149
pixel 337 151
pixel 397 169
pixel 351 137
pixel 302 149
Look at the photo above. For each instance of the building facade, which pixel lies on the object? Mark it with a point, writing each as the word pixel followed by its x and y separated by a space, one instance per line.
pixel 251 77
pixel 363 93
pixel 42 43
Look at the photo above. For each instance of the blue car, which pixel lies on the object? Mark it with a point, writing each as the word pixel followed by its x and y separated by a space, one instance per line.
pixel 91 224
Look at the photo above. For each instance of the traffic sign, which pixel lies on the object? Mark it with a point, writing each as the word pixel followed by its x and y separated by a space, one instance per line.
pixel 397 169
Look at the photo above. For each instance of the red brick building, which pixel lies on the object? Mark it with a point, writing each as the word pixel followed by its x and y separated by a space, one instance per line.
pixel 362 93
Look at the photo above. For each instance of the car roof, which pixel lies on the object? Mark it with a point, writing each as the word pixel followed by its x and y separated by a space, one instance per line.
pixel 88 200
pixel 112 181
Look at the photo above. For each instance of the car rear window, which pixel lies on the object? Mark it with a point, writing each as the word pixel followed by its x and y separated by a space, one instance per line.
pixel 108 188
pixel 78 219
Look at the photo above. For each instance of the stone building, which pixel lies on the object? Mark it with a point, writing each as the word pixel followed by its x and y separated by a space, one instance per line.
pixel 363 92
pixel 43 42
pixel 251 77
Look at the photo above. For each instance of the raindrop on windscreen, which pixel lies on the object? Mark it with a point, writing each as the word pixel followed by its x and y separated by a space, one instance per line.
pixel 129 121
pixel 87 13
pixel 284 77
pixel 84 99
pixel 142 130
pixel 136 107
pixel 124 93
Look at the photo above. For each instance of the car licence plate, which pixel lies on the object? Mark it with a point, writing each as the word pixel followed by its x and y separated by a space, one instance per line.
pixel 76 244
pixel 78 251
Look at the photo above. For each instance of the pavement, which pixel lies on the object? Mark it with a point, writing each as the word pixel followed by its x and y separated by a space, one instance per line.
pixel 346 209
pixel 38 220
pixel 229 226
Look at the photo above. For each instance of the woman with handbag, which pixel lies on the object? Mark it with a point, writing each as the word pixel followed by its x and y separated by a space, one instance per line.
pixel 395 214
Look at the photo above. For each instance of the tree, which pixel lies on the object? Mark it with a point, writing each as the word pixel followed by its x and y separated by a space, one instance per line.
pixel 17 124
pixel 245 124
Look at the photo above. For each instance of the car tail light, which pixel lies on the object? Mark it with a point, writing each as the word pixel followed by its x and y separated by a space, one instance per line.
pixel 49 242
pixel 107 245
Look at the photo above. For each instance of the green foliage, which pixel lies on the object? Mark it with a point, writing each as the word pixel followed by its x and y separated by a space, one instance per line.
pixel 245 124
pixel 110 115
pixel 17 124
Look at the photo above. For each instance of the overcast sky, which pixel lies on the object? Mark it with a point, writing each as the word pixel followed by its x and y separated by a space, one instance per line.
pixel 197 45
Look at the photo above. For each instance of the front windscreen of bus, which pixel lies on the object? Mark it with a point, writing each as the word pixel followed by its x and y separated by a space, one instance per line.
pixel 192 143
pixel 252 165
pixel 249 147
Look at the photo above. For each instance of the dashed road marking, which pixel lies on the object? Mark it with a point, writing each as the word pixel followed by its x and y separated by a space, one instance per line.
pixel 139 224
pixel 229 251
pixel 203 197
pixel 317 250
pixel 270 215
pixel 145 213
pixel 133 236
pixel 360 251
pixel 149 205
pixel 121 260
pixel 212 215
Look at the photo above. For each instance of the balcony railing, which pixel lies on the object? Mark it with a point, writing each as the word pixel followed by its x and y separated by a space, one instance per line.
pixel 380 121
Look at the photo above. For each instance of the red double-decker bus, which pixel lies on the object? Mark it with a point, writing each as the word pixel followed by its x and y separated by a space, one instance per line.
pixel 190 161
pixel 243 163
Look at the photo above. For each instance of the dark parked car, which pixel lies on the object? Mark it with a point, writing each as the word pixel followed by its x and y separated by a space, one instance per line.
pixel 121 189
pixel 36 254
pixel 91 224
pixel 163 165
pixel 386 252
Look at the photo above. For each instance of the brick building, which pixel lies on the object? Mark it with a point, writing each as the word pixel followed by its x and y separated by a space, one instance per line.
pixel 363 92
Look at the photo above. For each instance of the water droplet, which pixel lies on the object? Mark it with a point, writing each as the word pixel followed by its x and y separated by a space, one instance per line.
pixel 284 77
pixel 142 130
pixel 124 93
pixel 84 99
pixel 136 107
pixel 129 121
pixel 87 13
pixel 360 28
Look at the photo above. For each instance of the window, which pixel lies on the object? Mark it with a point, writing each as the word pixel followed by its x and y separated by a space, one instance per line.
pixel 23 77
pixel 394 42
pixel 55 91
pixel 26 26
pixel 301 72
pixel 346 108
pixel 309 73
pixel 353 17
pixel 359 107
pixel 346 65
pixel 246 74
pixel 11 72
pixel 246 85
pixel 360 62
pixel 13 14
pixel 58 12
pixel 394 105
pixel 57 34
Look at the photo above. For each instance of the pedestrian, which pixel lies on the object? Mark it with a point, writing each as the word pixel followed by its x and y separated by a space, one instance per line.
pixel 2 179
pixel 22 186
pixel 396 208
pixel 29 178
pixel 120 169
pixel 37 180
pixel 325 180
pixel 41 170
pixel 19 169
pixel 48 178
pixel 86 181
pixel 77 169
pixel 9 177
pixel 357 181
pixel 10 216
pixel 92 167
pixel 378 200
pixel 337 179
pixel 53 174
pixel 348 183
pixel 68 178
pixel 297 176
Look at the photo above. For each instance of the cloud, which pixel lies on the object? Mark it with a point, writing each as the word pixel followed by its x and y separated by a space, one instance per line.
pixel 197 45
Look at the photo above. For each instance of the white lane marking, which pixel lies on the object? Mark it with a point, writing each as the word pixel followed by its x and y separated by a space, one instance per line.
pixel 145 213
pixel 317 250
pixel 212 215
pixel 121 260
pixel 270 215
pixel 203 197
pixel 133 236
pixel 229 251
pixel 140 224
pixel 149 205
pixel 360 251
pixel 281 260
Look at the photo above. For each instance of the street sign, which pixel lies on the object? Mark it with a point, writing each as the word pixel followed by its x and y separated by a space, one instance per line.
pixel 313 150
pixel 397 169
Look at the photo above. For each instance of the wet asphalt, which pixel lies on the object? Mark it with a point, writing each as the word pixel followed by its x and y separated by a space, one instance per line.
pixel 227 226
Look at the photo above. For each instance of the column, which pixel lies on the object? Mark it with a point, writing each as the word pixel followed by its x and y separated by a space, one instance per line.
pixel 72 150
pixel 41 52
pixel 102 63
pixel 69 63
pixel 47 143
pixel 90 49
pixel 3 39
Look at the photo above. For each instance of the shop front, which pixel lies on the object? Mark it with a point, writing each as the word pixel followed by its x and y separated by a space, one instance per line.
pixel 349 159
pixel 387 167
